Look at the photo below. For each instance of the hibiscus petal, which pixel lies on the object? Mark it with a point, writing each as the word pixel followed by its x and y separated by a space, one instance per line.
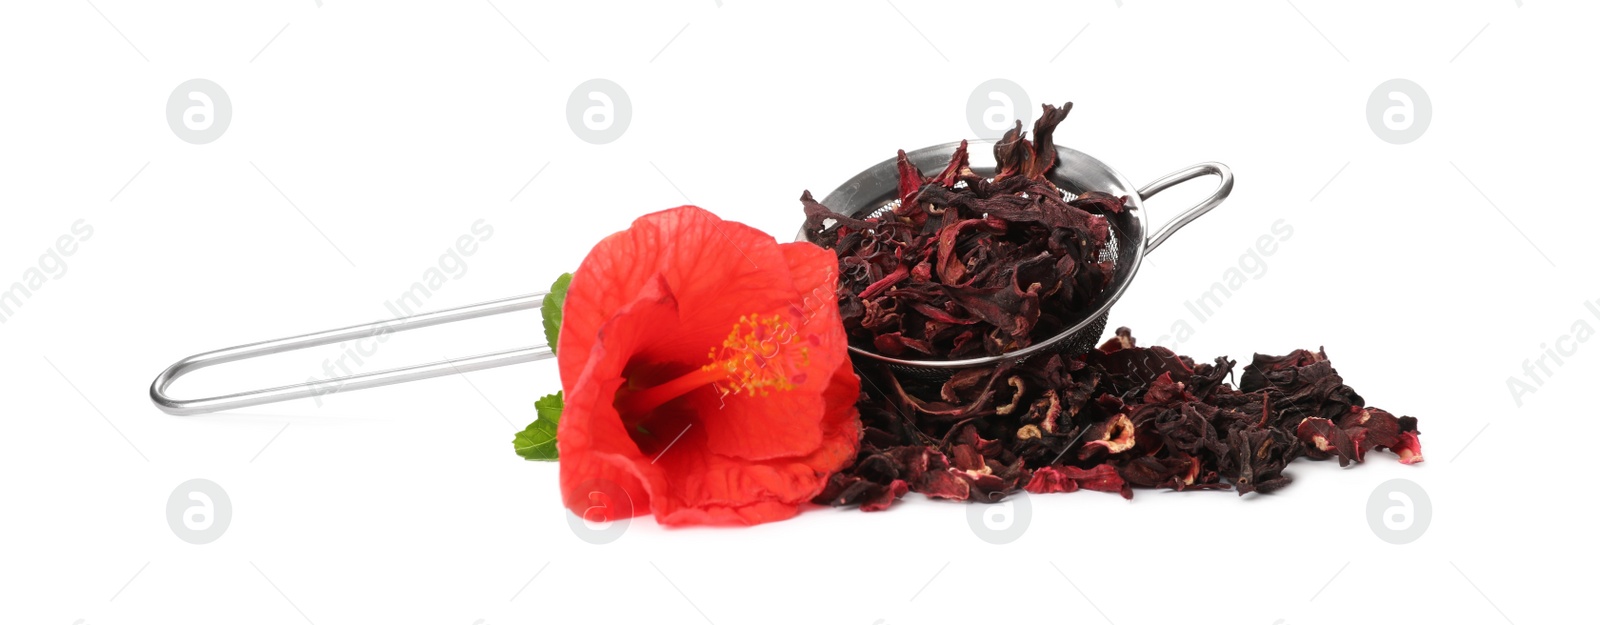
pixel 691 476
pixel 718 270
pixel 594 444
pixel 786 423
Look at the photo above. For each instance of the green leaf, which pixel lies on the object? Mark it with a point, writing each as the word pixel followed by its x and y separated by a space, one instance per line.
pixel 551 309
pixel 538 440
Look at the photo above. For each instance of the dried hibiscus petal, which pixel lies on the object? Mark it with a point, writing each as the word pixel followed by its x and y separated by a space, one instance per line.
pixel 1323 439
pixel 1113 436
pixel 966 266
pixel 1066 479
pixel 1409 449
pixel 1117 418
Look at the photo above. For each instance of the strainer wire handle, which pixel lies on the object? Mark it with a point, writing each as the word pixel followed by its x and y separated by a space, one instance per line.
pixel 1184 175
pixel 186 407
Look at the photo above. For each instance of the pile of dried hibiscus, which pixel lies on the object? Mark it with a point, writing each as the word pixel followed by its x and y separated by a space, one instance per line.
pixel 967 266
pixel 1119 417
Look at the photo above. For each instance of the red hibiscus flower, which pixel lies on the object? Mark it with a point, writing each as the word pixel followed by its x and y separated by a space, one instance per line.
pixel 705 374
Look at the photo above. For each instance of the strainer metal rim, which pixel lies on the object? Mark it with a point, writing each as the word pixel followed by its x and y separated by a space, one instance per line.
pixel 982 159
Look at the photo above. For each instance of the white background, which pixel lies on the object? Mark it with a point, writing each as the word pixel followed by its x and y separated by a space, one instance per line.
pixel 389 128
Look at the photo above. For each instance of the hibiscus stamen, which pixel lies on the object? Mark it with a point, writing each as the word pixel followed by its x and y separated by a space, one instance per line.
pixel 760 355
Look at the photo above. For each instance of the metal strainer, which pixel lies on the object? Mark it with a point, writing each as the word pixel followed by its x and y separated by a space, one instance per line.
pixel 1076 173
pixel 868 191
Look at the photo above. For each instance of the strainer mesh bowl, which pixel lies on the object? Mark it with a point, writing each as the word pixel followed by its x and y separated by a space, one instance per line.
pixel 873 191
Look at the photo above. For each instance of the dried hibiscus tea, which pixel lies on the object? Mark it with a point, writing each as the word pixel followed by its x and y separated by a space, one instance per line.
pixel 965 265
pixel 1117 418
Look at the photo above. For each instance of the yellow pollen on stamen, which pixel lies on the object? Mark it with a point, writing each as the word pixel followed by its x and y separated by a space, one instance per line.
pixel 760 355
